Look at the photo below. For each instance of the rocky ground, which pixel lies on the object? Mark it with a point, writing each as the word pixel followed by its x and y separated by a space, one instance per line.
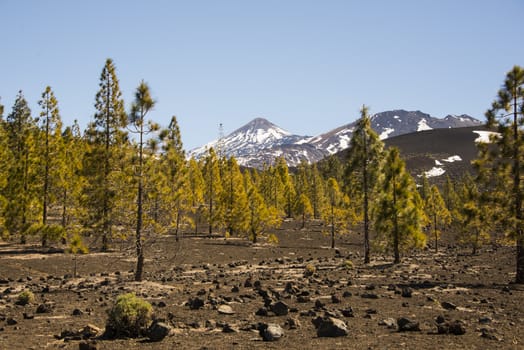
pixel 212 293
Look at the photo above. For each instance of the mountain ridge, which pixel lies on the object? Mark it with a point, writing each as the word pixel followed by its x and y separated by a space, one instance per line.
pixel 259 142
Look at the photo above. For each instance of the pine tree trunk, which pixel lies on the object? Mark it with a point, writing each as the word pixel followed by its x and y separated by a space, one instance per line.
pixel 517 192
pixel 139 248
pixel 366 203
pixel 396 240
pixel 46 180
pixel 436 231
pixel 332 228
pixel 520 260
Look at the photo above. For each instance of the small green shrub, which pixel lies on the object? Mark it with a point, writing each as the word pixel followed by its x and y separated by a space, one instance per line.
pixel 129 317
pixel 25 297
pixel 310 270
pixel 348 264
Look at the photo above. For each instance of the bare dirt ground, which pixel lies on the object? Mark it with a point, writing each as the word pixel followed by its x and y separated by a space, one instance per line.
pixel 451 286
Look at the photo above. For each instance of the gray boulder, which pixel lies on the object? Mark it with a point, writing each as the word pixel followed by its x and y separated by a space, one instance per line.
pixel 330 327
pixel 270 331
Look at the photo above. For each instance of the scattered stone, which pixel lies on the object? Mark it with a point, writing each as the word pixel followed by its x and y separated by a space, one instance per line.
pixel 485 320
pixel 195 304
pixel 90 331
pixel 210 324
pixel 11 321
pixel 330 327
pixel 335 299
pixel 347 294
pixel 440 319
pixel 489 333
pixel 292 323
pixel 225 310
pixel 371 311
pixel 406 292
pixel 347 312
pixel 319 304
pixel 303 299
pixel 369 296
pixel 456 328
pixel 28 316
pixel 391 323
pixel 280 308
pixel 370 287
pixel 262 312
pixel 87 345
pixel 158 331
pixel 227 328
pixel 290 288
pixel 44 308
pixel 448 306
pixel 407 325
pixel 77 312
pixel 270 332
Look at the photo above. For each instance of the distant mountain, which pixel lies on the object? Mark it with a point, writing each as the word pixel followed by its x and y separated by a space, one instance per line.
pixel 260 142
pixel 391 123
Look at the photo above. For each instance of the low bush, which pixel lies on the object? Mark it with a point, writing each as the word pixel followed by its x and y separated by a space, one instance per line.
pixel 25 297
pixel 129 317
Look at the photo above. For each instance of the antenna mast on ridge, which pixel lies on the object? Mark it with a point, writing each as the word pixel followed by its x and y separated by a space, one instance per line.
pixel 220 143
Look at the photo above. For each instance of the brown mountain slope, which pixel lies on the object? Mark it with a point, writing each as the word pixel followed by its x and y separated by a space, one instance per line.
pixel 435 151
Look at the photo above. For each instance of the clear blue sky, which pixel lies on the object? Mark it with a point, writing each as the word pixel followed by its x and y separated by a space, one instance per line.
pixel 307 66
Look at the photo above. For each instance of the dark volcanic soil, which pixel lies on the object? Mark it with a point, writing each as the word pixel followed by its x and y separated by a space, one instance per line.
pixel 452 285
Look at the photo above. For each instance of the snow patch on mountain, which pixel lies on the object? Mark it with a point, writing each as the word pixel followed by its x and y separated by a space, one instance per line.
pixel 423 125
pixel 484 136
pixel 452 159
pixel 435 171
pixel 385 134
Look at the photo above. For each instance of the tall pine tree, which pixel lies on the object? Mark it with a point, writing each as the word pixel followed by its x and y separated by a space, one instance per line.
pixel 22 192
pixel 502 162
pixel 436 212
pixel 107 141
pixel 398 214
pixel 362 171
pixel 52 160
pixel 141 106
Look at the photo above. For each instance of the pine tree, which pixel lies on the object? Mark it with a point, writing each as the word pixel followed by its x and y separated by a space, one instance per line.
pixel 316 195
pixel 288 190
pixel 332 167
pixel 5 158
pixel 141 106
pixel 213 190
pixel 261 218
pixel 53 161
pixel 71 180
pixel 234 198
pixel 338 215
pixel 196 187
pixel 449 194
pixel 304 208
pixel 22 192
pixel 436 212
pixel 502 162
pixel 175 176
pixel 362 171
pixel 425 188
pixel 398 214
pixel 107 148
pixel 475 215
